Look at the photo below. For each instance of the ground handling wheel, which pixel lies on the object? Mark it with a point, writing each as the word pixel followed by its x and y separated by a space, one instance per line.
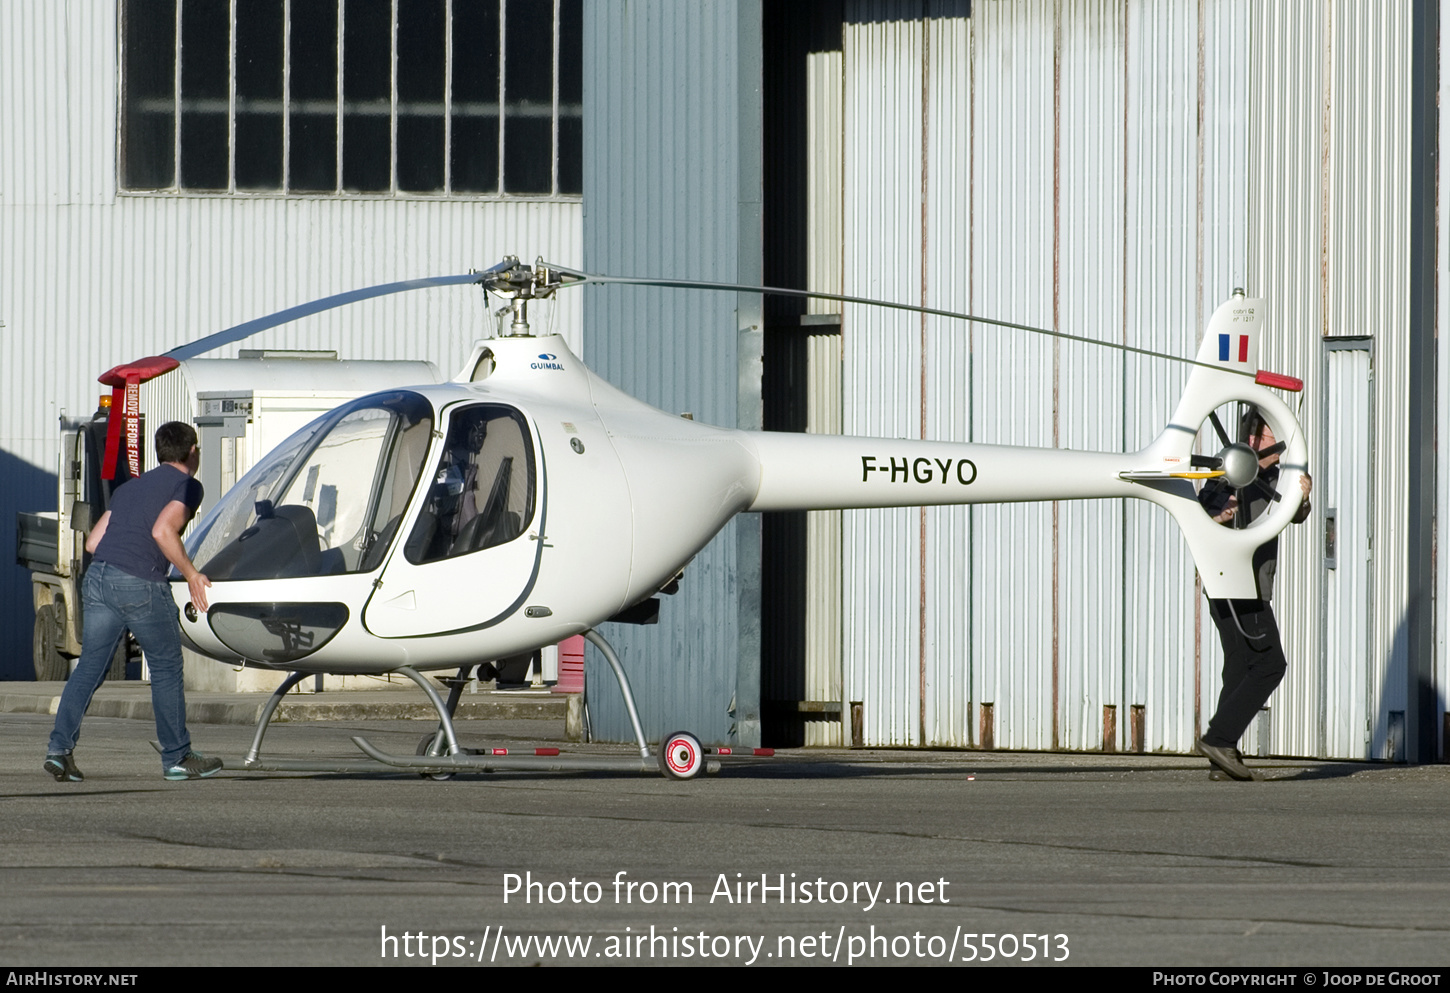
pixel 426 747
pixel 681 756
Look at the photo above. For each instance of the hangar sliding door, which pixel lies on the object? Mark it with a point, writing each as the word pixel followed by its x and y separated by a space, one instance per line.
pixel 1343 503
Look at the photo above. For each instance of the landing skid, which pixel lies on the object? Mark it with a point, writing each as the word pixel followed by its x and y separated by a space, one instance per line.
pixel 440 755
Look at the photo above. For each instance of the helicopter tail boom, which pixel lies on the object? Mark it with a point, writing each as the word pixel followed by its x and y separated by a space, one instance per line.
pixel 816 472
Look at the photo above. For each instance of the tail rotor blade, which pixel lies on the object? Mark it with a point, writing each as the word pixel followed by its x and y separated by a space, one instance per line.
pixel 1218 426
pixel 1266 489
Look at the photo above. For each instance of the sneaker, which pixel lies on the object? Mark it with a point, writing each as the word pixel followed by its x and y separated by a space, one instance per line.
pixel 1218 775
pixel 1226 761
pixel 194 766
pixel 63 768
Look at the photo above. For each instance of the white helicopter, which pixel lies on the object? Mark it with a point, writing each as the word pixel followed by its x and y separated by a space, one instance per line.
pixel 528 500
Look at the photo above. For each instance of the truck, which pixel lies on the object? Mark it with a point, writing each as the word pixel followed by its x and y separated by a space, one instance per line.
pixel 242 408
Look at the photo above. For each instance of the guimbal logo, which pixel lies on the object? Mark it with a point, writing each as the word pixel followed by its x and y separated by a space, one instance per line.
pixel 547 361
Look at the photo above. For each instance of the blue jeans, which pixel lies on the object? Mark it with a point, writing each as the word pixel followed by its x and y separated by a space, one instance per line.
pixel 115 601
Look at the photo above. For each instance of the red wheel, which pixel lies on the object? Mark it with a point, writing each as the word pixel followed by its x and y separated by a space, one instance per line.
pixel 681 756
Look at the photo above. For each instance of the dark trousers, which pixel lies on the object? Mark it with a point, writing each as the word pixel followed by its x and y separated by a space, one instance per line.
pixel 1253 665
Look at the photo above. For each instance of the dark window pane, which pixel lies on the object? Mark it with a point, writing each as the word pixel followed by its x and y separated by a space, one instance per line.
pixel 312 104
pixel 150 150
pixel 257 148
pixel 150 48
pixel 366 155
pixel 204 150
pixel 528 140
pixel 150 103
pixel 571 53
pixel 420 154
pixel 571 155
pixel 259 53
pixel 475 55
pixel 421 27
pixel 259 151
pixel 530 47
pixel 313 156
pixel 571 97
pixel 367 57
pixel 314 51
pixel 205 50
pixel 475 154
pixel 205 68
pixel 528 154
pixel 367 74
pixel 420 52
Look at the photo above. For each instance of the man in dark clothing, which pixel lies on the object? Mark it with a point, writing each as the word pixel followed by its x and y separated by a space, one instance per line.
pixel 1253 654
pixel 132 546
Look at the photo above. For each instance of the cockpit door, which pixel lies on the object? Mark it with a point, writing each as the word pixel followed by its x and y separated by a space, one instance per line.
pixel 472 548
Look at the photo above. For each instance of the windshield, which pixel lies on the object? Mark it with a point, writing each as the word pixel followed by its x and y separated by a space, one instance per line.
pixel 327 501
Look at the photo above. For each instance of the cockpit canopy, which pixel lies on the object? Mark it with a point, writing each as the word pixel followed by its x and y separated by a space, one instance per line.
pixel 332 498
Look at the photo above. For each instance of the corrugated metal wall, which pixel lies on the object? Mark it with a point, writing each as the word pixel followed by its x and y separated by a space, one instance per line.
pixel 1112 169
pixel 1168 45
pixel 682 202
pixel 89 279
pixel 1021 212
pixel 1329 236
pixel 1091 140
pixel 824 243
pixel 881 374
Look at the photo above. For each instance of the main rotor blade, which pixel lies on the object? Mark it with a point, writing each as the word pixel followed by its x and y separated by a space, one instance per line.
pixel 694 284
pixel 233 334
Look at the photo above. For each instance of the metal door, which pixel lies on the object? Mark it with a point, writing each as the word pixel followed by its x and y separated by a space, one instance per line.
pixel 1343 495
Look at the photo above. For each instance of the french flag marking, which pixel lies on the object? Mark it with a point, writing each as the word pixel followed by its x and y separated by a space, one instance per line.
pixel 1225 343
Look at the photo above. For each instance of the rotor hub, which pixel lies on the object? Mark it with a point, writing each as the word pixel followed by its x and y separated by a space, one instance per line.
pixel 1240 465
pixel 517 283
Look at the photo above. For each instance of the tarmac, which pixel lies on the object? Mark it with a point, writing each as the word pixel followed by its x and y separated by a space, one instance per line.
pixel 928 857
pixel 132 700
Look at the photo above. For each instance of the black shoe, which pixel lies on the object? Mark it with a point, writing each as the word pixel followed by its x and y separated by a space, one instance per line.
pixel 63 768
pixel 194 766
pixel 1226 761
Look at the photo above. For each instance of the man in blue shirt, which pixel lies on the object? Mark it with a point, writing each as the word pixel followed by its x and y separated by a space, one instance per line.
pixel 132 546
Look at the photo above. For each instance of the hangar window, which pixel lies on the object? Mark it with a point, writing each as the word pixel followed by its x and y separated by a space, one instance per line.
pixel 362 97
